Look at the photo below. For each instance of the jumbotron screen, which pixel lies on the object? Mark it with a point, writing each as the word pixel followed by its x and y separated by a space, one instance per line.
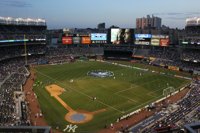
pixel 121 36
pixel 98 38
pixel 143 39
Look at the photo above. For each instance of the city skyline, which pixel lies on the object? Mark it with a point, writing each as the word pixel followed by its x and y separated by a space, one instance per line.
pixel 89 13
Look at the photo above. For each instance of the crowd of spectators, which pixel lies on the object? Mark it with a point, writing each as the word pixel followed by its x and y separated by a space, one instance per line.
pixel 191 55
pixel 141 52
pixel 21 36
pixel 187 60
pixel 50 53
pixel 185 66
pixel 192 30
pixel 13 32
pixel 13 75
pixel 17 51
pixel 75 51
pixel 166 54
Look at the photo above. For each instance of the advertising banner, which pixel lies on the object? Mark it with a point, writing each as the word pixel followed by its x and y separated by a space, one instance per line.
pixel 66 40
pixel 164 42
pixel 86 40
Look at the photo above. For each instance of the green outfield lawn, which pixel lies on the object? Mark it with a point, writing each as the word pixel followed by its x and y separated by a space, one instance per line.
pixel 129 90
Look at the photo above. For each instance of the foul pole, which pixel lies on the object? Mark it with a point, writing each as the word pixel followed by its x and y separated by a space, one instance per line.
pixel 25 50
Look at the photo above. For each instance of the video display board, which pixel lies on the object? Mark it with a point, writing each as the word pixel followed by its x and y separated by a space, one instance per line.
pixel 160 40
pixel 143 39
pixel 13 41
pixel 76 40
pixel 67 40
pixel 86 40
pixel 155 41
pixel 98 38
pixel 54 41
pixel 121 36
pixel 164 42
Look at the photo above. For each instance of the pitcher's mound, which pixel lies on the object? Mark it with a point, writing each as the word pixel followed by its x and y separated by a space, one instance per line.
pixel 78 117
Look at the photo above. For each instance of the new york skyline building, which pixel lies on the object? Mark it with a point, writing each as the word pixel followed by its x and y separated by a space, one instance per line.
pixel 148 22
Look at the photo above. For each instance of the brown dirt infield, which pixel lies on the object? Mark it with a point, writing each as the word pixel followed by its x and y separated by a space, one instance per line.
pixel 55 90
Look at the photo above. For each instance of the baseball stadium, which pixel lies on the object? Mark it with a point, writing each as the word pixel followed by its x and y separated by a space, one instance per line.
pixel 95 81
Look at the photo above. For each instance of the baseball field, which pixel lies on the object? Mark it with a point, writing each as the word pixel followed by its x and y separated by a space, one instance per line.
pixel 69 95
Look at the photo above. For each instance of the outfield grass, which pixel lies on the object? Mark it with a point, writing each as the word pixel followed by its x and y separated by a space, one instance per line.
pixel 124 94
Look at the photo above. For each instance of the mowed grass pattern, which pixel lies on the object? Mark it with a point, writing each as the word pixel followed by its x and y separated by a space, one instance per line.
pixel 126 93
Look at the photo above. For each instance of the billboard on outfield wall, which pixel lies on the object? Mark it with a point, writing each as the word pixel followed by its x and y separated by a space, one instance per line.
pixel 76 40
pixel 152 58
pixel 121 36
pixel 86 40
pixel 67 40
pixel 173 68
pixel 164 42
pixel 54 41
pixel 98 38
pixel 155 41
pixel 143 39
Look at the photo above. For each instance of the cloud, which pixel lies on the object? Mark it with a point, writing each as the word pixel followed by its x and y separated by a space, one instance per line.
pixel 193 13
pixel 168 14
pixel 177 15
pixel 15 3
pixel 176 18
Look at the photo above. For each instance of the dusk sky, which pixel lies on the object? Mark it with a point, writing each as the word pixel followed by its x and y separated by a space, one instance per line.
pixel 88 13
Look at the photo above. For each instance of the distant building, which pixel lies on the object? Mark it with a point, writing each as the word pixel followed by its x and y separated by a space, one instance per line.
pixel 101 26
pixel 148 22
